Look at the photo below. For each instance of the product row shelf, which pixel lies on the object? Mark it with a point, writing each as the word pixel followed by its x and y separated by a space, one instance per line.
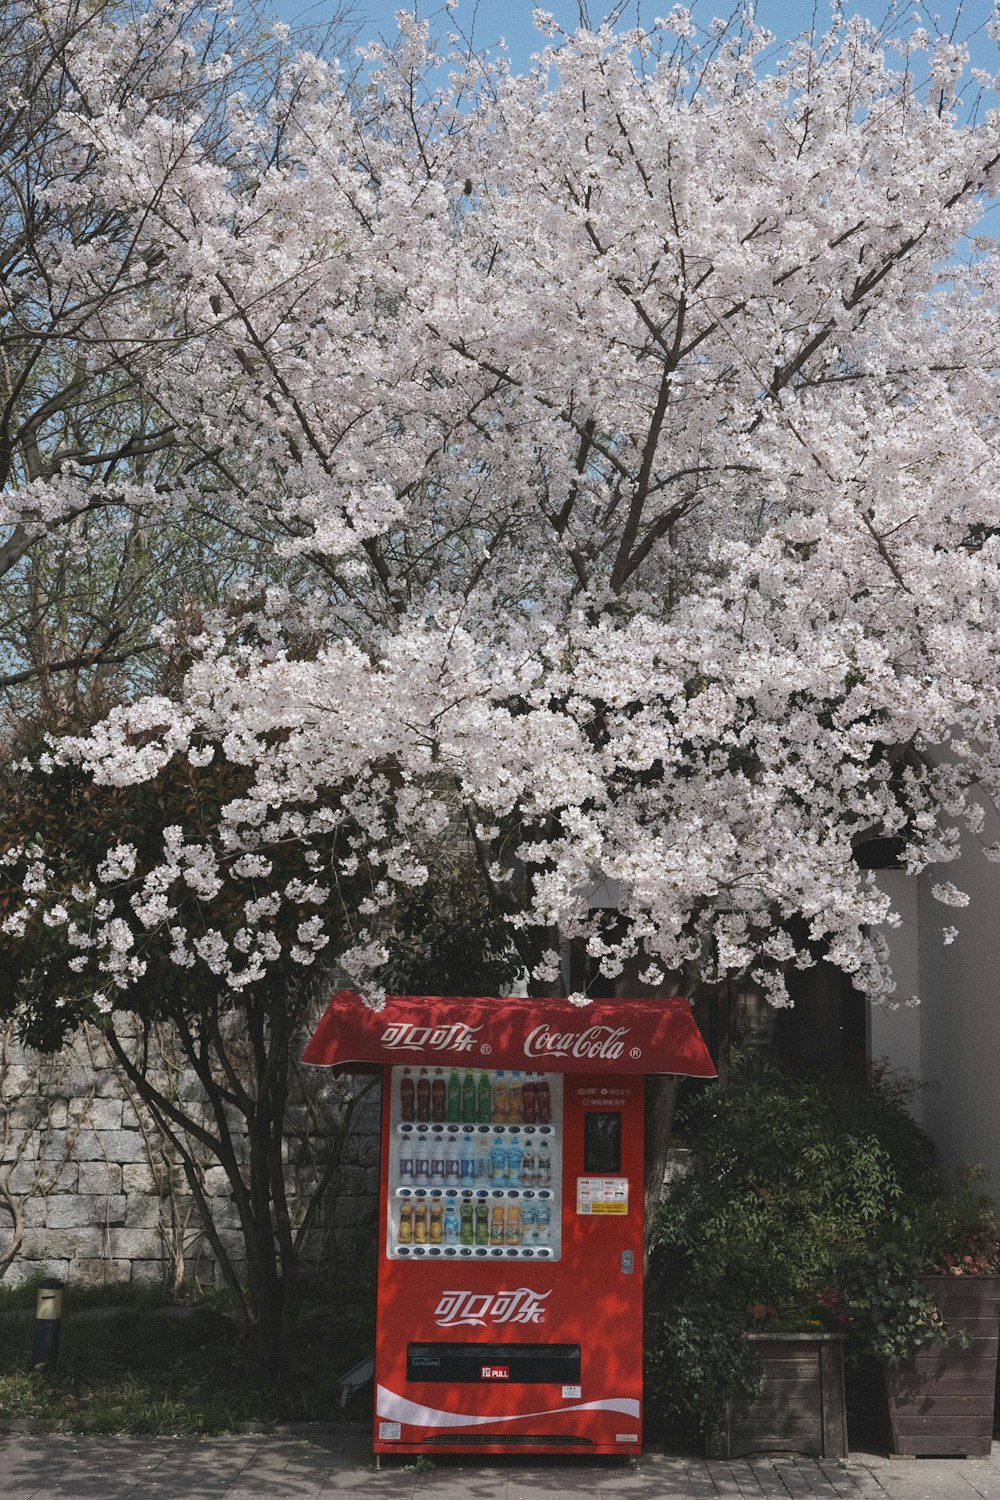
pixel 482 1252
pixel 483 1127
pixel 474 1193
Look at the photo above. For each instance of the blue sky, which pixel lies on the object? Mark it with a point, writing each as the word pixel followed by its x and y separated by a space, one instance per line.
pixel 489 19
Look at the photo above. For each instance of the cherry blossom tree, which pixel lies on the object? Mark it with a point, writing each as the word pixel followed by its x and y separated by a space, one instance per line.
pixel 275 1131
pixel 631 424
pixel 90 463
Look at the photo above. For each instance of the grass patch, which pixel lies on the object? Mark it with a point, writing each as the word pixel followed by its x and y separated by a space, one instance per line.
pixel 131 1362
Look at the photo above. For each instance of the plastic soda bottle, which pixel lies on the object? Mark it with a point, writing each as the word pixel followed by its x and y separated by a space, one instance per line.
pixel 451 1224
pixel 469 1098
pixel 484 1098
pixel 529 1094
pixel 423 1096
pixel 543 1216
pixel 482 1224
pixel 407 1096
pixel 421 1164
pixel 544 1168
pixel 515 1102
pixel 527 1222
pixel 437 1214
pixel 498 1163
pixel 467 1162
pixel 515 1159
pixel 438 1106
pixel 482 1160
pixel 496 1224
pixel 420 1224
pixel 528 1173
pixel 406 1224
pixel 452 1168
pixel 437 1160
pixel 543 1100
pixel 466 1233
pixel 500 1099
pixel 454 1097
pixel 512 1226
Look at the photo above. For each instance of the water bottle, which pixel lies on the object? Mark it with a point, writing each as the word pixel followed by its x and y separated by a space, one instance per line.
pixel 498 1163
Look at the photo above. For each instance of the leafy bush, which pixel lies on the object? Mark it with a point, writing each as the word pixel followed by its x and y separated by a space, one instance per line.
pixel 813 1202
pixel 132 1360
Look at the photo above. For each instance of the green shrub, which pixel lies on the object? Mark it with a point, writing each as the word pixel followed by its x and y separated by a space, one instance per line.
pixel 813 1202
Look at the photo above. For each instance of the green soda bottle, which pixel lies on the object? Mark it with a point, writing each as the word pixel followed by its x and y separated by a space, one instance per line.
pixel 469 1098
pixel 454 1097
pixel 484 1105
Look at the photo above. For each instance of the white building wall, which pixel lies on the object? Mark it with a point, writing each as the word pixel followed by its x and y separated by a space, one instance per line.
pixel 894 1029
pixel 951 1040
pixel 960 1013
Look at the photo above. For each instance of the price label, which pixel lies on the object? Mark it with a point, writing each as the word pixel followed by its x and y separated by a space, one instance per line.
pixel 602 1195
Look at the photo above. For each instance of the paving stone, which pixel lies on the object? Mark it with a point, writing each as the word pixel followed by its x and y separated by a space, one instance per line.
pixel 322 1462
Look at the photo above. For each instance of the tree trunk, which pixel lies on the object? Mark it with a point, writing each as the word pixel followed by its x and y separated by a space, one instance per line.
pixel 661 1094
pixel 244 1079
pixel 661 1099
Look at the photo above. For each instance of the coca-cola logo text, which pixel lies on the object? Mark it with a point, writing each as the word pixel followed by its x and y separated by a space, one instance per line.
pixel 595 1041
pixel 402 1036
pixel 476 1309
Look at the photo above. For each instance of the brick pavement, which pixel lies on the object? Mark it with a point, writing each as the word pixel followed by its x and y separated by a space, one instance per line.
pixel 323 1462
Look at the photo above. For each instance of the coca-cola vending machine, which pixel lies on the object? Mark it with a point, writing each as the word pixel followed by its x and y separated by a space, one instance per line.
pixel 511 1214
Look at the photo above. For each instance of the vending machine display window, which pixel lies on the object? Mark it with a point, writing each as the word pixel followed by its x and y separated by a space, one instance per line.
pixel 602 1142
pixel 475 1164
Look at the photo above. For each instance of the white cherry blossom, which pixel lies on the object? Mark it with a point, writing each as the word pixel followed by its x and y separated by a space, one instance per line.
pixel 637 419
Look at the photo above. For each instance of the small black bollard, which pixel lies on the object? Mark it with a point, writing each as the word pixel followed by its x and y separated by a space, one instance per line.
pixel 48 1315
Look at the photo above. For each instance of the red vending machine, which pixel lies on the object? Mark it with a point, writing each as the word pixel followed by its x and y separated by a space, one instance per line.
pixel 511 1214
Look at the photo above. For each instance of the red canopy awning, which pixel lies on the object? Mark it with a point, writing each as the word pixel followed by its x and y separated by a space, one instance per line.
pixel 609 1036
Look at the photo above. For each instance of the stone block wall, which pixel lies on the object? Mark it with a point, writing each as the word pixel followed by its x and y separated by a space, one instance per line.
pixel 91 1190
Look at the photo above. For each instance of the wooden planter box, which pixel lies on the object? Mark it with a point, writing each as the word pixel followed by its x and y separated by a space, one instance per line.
pixel 800 1408
pixel 941 1400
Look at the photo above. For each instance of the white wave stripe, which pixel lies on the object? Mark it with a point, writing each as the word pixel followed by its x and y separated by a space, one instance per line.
pixel 399 1409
